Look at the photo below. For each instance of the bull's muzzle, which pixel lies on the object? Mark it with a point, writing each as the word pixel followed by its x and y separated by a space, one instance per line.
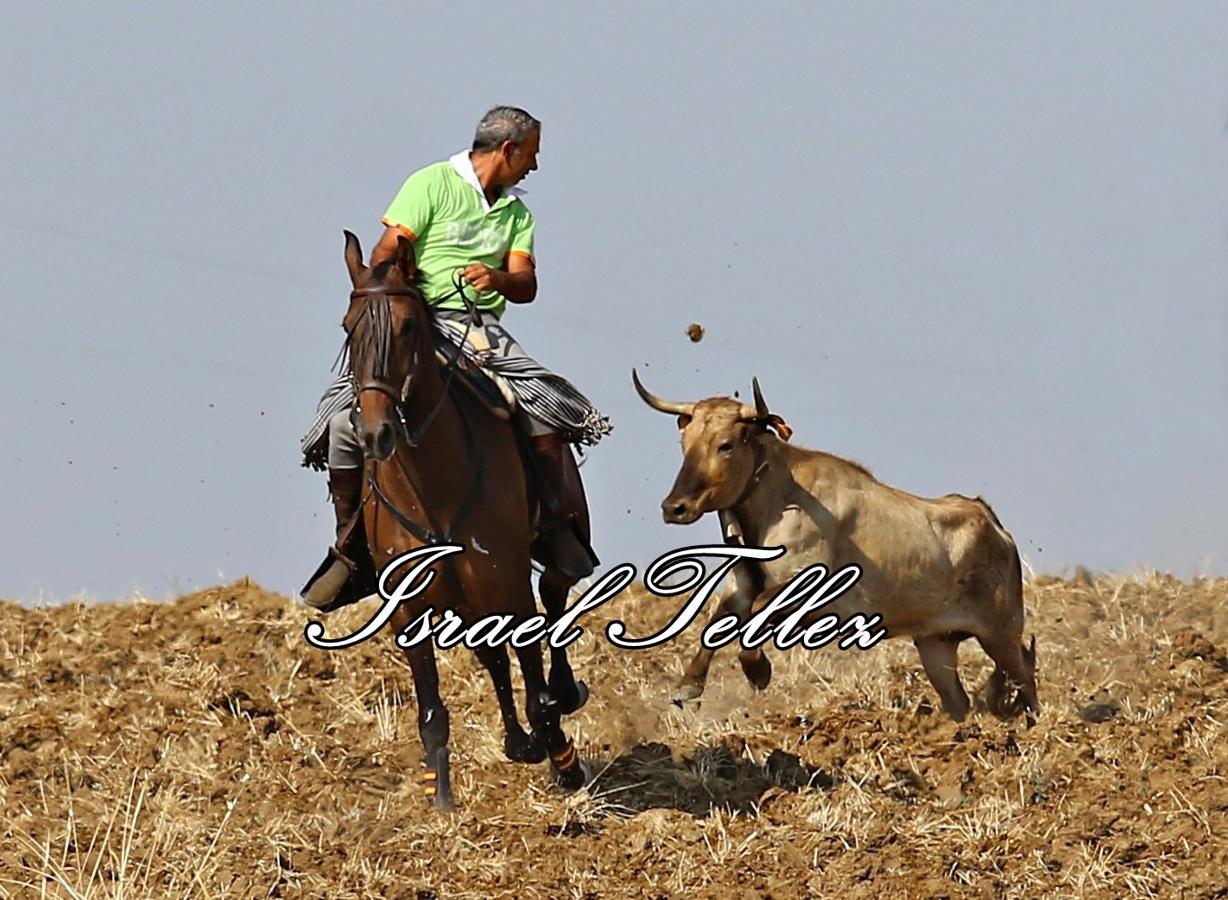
pixel 679 510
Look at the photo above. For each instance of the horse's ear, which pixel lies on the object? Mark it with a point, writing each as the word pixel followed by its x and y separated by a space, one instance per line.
pixel 405 258
pixel 353 257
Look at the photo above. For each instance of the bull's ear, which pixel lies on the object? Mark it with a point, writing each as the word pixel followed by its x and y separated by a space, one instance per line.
pixel 780 426
pixel 353 257
pixel 683 421
pixel 405 258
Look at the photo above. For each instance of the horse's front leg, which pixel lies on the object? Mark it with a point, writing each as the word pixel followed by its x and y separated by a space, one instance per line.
pixel 544 715
pixel 432 723
pixel 570 693
pixel 518 745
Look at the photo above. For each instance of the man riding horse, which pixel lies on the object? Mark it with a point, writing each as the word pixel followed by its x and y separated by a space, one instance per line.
pixel 473 246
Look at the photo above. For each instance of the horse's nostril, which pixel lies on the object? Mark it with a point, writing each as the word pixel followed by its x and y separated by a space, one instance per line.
pixel 385 438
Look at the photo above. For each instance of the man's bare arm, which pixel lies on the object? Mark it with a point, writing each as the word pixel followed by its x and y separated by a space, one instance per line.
pixel 518 283
pixel 387 245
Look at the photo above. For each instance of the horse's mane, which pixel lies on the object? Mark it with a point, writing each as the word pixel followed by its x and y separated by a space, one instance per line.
pixel 379 274
pixel 372 331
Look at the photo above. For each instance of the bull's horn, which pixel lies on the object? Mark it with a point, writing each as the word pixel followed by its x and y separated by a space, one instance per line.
pixel 761 407
pixel 665 406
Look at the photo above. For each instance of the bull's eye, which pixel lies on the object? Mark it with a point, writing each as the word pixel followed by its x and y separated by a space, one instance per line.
pixel 725 448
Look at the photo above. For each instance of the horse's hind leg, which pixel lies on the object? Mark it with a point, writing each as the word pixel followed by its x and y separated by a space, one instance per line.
pixel 544 715
pixel 517 744
pixel 554 586
pixel 570 694
pixel 432 724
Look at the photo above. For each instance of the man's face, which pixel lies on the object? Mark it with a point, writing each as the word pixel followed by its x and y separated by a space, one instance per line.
pixel 522 160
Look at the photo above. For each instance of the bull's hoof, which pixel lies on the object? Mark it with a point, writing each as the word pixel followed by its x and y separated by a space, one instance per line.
pixel 686 690
pixel 957 713
pixel 758 670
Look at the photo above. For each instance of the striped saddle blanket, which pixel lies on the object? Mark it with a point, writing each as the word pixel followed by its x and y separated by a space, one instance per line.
pixel 540 393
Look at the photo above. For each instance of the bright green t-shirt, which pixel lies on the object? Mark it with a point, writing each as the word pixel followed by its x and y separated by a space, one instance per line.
pixel 447 218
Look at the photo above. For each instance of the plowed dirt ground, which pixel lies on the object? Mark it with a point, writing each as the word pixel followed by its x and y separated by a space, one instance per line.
pixel 201 748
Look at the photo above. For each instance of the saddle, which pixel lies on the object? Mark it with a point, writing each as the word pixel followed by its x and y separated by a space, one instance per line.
pixel 491 391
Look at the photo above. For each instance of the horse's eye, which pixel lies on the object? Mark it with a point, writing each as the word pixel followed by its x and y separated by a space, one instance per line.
pixel 407 327
pixel 725 448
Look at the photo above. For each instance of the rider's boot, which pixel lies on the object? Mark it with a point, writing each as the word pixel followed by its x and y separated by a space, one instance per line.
pixel 557 529
pixel 345 576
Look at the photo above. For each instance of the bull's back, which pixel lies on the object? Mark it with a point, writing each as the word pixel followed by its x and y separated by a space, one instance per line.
pixel 928 564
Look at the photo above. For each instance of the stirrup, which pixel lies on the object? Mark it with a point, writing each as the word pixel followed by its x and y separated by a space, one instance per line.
pixel 325 591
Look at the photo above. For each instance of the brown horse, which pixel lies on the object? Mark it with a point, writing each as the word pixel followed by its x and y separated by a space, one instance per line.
pixel 441 470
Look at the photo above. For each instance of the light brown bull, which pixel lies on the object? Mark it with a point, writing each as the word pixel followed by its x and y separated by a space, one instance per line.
pixel 937 570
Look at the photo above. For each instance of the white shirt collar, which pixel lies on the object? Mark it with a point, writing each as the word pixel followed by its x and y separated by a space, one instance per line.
pixel 464 168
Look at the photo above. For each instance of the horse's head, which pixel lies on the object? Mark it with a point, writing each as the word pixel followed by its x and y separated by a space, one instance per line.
pixel 387 337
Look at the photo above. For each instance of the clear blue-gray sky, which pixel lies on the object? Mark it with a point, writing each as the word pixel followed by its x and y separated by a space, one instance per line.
pixel 978 248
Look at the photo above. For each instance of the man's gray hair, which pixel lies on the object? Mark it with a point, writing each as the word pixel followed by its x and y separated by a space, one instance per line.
pixel 503 123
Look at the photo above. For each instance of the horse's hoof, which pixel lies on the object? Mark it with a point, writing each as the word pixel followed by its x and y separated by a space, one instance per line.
pixel 574 778
pixel 524 748
pixel 581 697
pixel 687 690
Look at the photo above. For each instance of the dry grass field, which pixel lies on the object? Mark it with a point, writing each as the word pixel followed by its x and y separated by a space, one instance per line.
pixel 201 748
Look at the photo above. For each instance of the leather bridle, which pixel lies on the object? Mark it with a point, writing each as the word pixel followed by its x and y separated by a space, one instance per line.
pixel 413 440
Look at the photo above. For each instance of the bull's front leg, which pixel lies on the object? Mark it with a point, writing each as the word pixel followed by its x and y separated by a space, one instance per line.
pixel 737 601
pixel 755 664
pixel 691 684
